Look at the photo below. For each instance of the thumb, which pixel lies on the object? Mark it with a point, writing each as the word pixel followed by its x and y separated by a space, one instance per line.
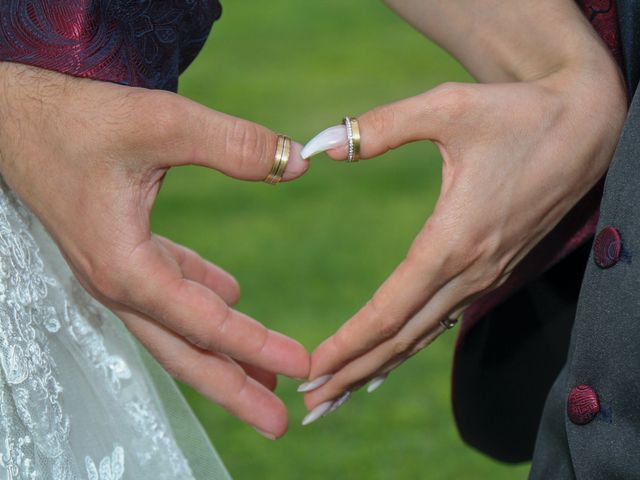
pixel 423 117
pixel 192 134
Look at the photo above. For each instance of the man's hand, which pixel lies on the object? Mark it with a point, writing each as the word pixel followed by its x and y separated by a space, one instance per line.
pixel 88 158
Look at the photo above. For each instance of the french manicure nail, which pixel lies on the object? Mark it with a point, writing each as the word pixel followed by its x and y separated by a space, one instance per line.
pixel 375 383
pixel 313 384
pixel 327 139
pixel 268 435
pixel 339 402
pixel 317 412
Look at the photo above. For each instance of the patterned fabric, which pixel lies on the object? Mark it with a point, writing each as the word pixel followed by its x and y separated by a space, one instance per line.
pixel 603 16
pixel 75 401
pixel 578 226
pixel 141 43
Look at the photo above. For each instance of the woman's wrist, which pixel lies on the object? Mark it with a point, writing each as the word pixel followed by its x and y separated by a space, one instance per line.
pixel 592 97
pixel 516 45
pixel 549 43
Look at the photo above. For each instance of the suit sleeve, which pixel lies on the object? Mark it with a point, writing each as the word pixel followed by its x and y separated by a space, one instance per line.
pixel 143 43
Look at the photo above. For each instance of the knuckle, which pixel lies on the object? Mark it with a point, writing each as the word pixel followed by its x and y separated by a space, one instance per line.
pixel 491 265
pixel 463 255
pixel 453 252
pixel 339 341
pixel 209 339
pixel 388 327
pixel 238 383
pixel 402 347
pixel 248 143
pixel 382 120
pixel 234 292
pixel 483 277
pixel 491 274
pixel 384 324
pixel 454 99
pixel 201 341
pixel 261 342
pixel 374 307
pixel 222 317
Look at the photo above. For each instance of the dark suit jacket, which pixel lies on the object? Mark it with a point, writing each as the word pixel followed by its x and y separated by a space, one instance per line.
pixel 511 353
pixel 513 343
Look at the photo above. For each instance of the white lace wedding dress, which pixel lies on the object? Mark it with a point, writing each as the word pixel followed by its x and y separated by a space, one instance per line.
pixel 79 398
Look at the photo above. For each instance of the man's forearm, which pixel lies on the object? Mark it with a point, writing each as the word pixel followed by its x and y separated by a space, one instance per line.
pixel 506 41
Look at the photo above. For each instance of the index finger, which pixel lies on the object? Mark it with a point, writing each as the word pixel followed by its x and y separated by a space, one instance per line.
pixel 406 291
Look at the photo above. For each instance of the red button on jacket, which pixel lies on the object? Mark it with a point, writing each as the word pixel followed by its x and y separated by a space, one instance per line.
pixel 607 247
pixel 582 405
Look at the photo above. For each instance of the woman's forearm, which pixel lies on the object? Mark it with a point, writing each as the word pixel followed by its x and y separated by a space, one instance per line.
pixel 505 41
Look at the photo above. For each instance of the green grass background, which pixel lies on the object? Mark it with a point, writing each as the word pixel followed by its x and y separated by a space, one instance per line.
pixel 310 253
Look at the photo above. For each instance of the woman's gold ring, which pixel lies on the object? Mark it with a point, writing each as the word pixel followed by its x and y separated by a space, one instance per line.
pixel 353 138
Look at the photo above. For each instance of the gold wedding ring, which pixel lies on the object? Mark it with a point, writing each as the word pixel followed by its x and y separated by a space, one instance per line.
pixel 283 149
pixel 353 138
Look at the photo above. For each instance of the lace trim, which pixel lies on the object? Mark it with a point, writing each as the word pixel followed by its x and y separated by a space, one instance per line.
pixel 34 426
pixel 156 438
pixel 111 468
pixel 32 421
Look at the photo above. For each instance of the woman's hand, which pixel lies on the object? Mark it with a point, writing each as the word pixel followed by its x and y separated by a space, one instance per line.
pixel 88 158
pixel 516 158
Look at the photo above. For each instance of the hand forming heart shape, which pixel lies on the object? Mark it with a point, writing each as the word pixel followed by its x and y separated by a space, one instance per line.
pixel 513 166
pixel 88 158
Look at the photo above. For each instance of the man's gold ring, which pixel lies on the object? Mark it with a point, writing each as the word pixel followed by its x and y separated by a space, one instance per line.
pixel 283 149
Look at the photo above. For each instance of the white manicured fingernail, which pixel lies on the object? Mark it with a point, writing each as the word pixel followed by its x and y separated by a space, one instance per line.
pixel 339 402
pixel 317 412
pixel 268 435
pixel 375 383
pixel 313 384
pixel 330 138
